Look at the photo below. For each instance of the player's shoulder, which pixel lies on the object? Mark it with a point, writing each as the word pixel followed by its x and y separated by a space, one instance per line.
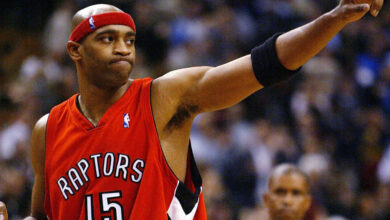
pixel 184 74
pixel 62 109
pixel 41 123
pixel 178 82
pixel 38 136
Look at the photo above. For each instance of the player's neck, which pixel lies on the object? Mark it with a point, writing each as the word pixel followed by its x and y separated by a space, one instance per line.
pixel 94 101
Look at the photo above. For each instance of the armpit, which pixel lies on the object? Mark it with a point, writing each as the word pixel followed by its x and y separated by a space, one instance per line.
pixel 182 113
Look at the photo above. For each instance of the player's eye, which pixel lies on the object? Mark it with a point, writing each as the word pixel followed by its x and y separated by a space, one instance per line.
pixel 280 192
pixel 296 192
pixel 107 39
pixel 130 41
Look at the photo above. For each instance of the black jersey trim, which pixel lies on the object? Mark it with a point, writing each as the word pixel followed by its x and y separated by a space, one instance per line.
pixel 187 199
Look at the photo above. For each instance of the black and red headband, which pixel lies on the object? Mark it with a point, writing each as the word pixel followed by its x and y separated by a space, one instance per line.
pixel 94 22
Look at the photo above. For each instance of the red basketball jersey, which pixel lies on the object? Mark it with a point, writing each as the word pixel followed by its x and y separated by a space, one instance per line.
pixel 117 169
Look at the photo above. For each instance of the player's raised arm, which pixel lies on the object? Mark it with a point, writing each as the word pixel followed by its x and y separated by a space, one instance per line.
pixel 201 89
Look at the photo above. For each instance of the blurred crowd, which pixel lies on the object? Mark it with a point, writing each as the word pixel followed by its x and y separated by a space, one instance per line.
pixel 332 120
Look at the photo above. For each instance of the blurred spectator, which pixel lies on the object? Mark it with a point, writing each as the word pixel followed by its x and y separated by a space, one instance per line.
pixel 57 30
pixel 288 193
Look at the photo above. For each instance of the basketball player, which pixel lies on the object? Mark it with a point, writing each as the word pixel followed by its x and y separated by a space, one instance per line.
pixel 120 148
pixel 287 197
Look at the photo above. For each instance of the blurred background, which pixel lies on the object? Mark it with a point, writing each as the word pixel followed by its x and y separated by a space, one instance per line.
pixel 332 120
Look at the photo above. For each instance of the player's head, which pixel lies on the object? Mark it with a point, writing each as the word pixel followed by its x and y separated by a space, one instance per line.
pixel 287 197
pixel 102 44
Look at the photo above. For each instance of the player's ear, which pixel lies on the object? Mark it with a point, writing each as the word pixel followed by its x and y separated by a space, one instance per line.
pixel 73 49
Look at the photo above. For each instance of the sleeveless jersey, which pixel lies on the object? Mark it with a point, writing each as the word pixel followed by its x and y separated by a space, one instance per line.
pixel 117 169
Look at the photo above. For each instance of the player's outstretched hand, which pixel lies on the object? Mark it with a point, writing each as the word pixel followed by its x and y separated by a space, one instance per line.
pixel 3 212
pixel 353 10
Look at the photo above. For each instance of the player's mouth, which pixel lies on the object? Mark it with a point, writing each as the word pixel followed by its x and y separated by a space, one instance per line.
pixel 121 61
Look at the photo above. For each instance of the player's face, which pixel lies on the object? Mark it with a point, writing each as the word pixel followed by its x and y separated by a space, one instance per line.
pixel 287 198
pixel 109 55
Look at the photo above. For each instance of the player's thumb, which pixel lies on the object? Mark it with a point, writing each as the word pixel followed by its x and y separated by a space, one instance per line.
pixel 3 212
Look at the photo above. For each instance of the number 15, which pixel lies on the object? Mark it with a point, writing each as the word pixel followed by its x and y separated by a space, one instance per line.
pixel 106 205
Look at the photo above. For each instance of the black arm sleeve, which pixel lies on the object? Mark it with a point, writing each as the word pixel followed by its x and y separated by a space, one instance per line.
pixel 266 65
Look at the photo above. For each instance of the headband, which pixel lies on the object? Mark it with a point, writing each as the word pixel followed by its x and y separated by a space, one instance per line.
pixel 96 21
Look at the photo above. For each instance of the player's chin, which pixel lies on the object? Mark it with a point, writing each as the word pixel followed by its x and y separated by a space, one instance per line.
pixel 124 74
pixel 121 71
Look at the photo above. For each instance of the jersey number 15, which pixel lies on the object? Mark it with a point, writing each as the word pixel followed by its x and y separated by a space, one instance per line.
pixel 106 205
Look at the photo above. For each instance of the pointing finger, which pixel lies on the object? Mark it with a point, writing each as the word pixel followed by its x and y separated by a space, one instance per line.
pixel 376 7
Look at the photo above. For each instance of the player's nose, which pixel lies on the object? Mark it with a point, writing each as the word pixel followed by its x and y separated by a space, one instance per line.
pixel 121 48
pixel 288 199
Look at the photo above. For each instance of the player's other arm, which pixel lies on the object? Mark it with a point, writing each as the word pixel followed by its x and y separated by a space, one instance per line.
pixel 37 154
pixel 3 211
pixel 201 89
